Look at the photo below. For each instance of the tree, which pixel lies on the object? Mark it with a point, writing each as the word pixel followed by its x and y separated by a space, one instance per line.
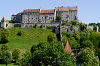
pixel 98 52
pixel 52 37
pixel 33 48
pixel 26 59
pixel 58 18
pixel 83 26
pixel 87 57
pixel 51 54
pixel 64 40
pixel 16 54
pixel 6 57
pixel 35 25
pixel 87 43
pixel 74 22
pixel 4 36
pixel 4 47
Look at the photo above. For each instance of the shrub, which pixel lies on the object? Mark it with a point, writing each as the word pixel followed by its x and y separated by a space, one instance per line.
pixel 87 57
pixel 35 25
pixel 52 37
pixel 4 36
pixel 6 57
pixel 58 18
pixel 4 47
pixel 63 24
pixel 74 22
pixel 15 54
pixel 19 33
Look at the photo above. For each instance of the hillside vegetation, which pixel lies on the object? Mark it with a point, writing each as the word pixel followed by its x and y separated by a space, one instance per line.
pixel 28 37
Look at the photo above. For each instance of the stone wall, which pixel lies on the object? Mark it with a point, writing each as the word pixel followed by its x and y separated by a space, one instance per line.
pixel 70 29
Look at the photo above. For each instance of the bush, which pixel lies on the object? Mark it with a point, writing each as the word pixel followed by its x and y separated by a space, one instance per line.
pixel 58 18
pixel 51 38
pixel 35 25
pixel 87 57
pixel 6 57
pixel 26 59
pixel 16 54
pixel 4 47
pixel 74 22
pixel 19 33
pixel 63 24
pixel 87 43
pixel 51 54
pixel 4 36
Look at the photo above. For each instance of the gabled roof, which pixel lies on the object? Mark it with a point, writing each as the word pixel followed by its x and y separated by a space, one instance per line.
pixel 47 11
pixel 66 8
pixel 31 10
pixel 67 47
pixel 3 19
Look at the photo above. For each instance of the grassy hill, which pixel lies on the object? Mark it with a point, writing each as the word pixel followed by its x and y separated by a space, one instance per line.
pixel 29 37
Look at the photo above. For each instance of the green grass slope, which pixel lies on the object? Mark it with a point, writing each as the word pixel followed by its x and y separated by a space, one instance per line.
pixel 29 37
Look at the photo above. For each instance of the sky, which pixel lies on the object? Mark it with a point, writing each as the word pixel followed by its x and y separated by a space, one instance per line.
pixel 88 10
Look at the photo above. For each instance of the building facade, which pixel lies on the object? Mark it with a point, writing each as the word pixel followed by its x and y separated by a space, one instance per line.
pixel 31 16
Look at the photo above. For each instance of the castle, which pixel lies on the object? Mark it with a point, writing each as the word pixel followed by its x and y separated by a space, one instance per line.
pixel 29 17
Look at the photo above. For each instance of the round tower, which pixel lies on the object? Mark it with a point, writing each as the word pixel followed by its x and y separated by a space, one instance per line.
pixel 3 23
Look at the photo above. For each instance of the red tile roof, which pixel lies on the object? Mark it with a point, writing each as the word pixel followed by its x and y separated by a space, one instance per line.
pixel 32 10
pixel 67 47
pixel 47 11
pixel 19 13
pixel 3 19
pixel 67 8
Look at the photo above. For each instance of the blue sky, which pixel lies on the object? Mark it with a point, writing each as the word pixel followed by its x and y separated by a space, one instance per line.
pixel 88 10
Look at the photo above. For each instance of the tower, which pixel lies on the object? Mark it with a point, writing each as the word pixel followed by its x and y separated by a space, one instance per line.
pixel 3 23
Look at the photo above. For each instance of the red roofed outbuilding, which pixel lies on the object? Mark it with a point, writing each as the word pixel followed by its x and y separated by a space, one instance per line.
pixel 3 19
pixel 67 47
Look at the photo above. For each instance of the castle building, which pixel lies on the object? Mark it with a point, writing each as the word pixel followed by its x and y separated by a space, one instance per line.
pixel 31 16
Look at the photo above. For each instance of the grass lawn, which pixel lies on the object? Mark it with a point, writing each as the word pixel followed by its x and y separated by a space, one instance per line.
pixel 8 65
pixel 29 37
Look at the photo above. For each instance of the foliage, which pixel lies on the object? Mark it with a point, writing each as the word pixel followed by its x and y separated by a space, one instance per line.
pixel 87 57
pixel 19 33
pixel 4 36
pixel 4 47
pixel 33 48
pixel 6 57
pixel 74 22
pixel 64 40
pixel 51 27
pixel 98 52
pixel 51 21
pixel 51 38
pixel 77 36
pixel 35 25
pixel 50 54
pixel 83 26
pixel 92 24
pixel 26 59
pixel 10 21
pixel 63 24
pixel 58 18
pixel 16 54
pixel 87 43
